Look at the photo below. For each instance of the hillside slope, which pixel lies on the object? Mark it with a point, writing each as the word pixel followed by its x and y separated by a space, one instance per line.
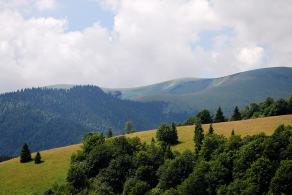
pixel 194 94
pixel 47 118
pixel 16 178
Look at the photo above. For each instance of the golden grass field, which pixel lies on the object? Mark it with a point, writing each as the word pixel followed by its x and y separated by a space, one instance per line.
pixel 23 179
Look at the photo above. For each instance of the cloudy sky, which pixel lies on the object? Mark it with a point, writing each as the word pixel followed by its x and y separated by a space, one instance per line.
pixel 125 43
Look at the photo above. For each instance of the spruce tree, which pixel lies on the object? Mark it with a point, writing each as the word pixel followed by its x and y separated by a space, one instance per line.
pixel 109 133
pixel 219 117
pixel 199 136
pixel 211 130
pixel 38 158
pixel 236 116
pixel 25 155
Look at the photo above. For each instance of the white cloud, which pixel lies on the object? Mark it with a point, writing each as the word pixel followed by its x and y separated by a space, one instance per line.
pixel 250 56
pixel 150 41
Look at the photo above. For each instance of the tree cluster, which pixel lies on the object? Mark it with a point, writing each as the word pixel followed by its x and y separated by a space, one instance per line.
pixel 25 155
pixel 205 117
pixel 269 107
pixel 256 164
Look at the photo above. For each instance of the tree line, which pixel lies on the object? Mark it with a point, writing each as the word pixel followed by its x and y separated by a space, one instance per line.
pixel 268 107
pixel 257 164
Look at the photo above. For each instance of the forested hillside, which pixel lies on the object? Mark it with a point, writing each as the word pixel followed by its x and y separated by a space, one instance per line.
pixel 46 118
pixel 60 115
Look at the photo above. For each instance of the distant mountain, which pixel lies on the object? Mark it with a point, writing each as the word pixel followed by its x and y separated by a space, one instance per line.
pixel 193 94
pixel 46 118
pixel 60 115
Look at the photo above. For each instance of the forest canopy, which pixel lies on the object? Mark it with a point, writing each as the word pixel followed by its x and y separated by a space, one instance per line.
pixel 256 164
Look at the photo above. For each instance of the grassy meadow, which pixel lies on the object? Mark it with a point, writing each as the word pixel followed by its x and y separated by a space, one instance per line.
pixel 29 178
pixel 22 179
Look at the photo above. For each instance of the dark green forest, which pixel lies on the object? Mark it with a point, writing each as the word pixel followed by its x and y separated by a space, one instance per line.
pixel 256 164
pixel 46 118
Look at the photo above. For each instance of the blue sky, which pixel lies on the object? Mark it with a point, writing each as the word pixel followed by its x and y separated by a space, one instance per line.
pixel 79 13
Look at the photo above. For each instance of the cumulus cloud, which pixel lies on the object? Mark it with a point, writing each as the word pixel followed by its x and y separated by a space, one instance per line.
pixel 150 41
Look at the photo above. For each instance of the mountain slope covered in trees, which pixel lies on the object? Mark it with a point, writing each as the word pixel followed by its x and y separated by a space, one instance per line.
pixel 59 115
pixel 46 118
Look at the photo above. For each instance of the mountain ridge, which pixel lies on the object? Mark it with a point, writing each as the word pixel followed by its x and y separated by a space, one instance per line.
pixel 50 117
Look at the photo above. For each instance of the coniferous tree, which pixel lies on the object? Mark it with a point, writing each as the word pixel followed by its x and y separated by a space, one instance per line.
pixel 232 132
pixel 205 117
pixel 38 158
pixel 25 155
pixel 109 133
pixel 211 129
pixel 219 117
pixel 199 136
pixel 236 116
pixel 129 127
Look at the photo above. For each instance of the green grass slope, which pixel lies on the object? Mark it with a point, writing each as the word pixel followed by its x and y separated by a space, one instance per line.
pixel 22 179
pixel 29 178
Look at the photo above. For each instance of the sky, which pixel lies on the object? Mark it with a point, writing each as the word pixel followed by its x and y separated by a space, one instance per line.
pixel 126 43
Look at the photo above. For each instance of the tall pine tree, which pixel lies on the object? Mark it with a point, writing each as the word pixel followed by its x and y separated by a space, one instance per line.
pixel 236 116
pixel 199 136
pixel 219 117
pixel 25 155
